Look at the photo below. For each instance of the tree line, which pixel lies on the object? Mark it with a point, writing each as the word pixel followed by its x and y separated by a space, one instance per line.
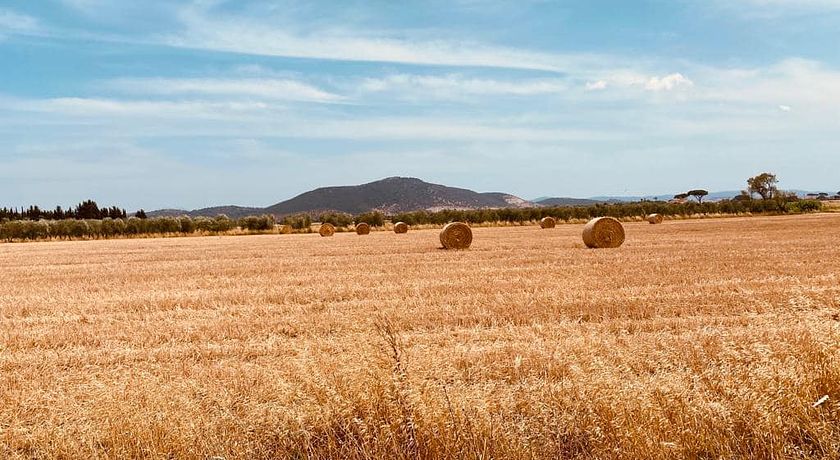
pixel 11 230
pixel 22 230
pixel 780 204
pixel 85 210
pixel 618 210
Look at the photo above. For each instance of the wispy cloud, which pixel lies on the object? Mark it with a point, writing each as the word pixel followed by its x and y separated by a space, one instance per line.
pixel 249 36
pixel 799 82
pixel 129 119
pixel 777 9
pixel 260 88
pixel 84 5
pixel 99 107
pixel 454 85
pixel 794 4
pixel 12 22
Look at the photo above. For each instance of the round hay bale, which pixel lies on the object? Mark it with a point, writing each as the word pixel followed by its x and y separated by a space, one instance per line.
pixel 285 229
pixel 603 232
pixel 655 218
pixel 548 222
pixel 326 230
pixel 400 227
pixel 362 228
pixel 456 235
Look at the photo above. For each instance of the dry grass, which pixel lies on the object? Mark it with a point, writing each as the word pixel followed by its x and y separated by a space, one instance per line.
pixel 696 339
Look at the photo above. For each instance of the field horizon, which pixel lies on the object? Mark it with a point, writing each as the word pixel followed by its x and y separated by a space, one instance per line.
pixel 695 339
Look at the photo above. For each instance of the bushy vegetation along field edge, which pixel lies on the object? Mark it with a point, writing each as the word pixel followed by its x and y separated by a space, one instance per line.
pixel 134 227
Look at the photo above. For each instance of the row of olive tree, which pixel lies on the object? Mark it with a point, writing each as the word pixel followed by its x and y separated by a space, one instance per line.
pixel 298 221
pixel 620 210
pixel 780 203
pixel 11 230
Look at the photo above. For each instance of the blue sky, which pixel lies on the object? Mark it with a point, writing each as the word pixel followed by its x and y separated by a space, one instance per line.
pixel 196 103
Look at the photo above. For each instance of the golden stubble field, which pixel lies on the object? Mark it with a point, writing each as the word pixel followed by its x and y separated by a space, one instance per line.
pixel 696 339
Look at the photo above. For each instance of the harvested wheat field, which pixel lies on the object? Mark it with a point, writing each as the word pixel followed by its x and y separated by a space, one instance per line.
pixel 696 339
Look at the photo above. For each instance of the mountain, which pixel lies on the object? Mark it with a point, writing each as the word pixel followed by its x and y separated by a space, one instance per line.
pixel 404 194
pixel 394 195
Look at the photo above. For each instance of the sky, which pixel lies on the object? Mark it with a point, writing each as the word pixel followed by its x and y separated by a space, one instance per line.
pixel 188 104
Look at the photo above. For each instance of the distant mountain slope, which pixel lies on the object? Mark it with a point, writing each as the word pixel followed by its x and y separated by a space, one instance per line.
pixel 404 194
pixel 393 195
pixel 233 212
pixel 168 213
pixel 564 201
pixel 713 196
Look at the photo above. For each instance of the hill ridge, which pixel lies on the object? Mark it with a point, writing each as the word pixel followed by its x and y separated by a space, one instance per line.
pixel 390 195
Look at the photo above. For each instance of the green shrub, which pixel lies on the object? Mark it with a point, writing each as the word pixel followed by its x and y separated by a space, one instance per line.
pixel 298 222
pixel 187 224
pixel 337 219
pixel 257 223
pixel 804 206
pixel 374 219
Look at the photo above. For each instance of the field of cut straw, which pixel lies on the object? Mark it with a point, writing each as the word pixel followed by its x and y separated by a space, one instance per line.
pixel 697 339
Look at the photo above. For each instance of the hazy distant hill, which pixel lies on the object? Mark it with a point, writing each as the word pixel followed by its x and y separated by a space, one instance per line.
pixel 404 194
pixel 713 196
pixel 393 195
pixel 564 201
pixel 230 211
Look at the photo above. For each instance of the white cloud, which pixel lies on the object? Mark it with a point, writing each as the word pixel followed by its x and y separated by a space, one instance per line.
pixel 159 109
pixel 277 89
pixel 249 36
pixel 804 84
pixel 83 5
pixel 631 79
pixel 596 85
pixel 797 4
pixel 453 85
pixel 668 82
pixel 785 108
pixel 776 10
pixel 131 119
pixel 13 22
